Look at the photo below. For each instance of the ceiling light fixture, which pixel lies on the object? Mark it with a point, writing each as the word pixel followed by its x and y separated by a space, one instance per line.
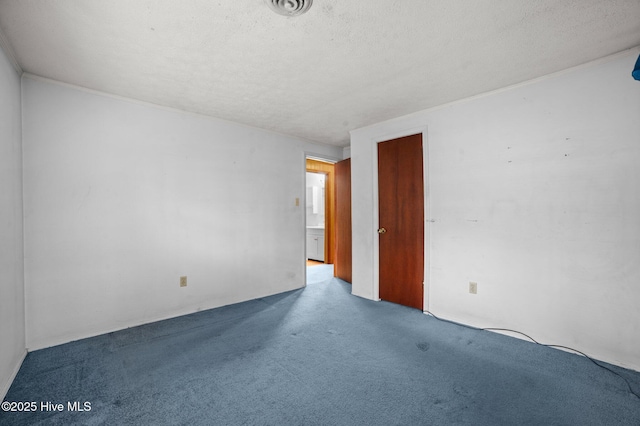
pixel 289 7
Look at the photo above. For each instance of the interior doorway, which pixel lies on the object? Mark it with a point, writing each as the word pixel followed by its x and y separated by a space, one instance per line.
pixel 316 216
pixel 320 211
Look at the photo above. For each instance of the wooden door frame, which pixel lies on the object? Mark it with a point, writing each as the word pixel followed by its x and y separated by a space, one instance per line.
pixel 427 211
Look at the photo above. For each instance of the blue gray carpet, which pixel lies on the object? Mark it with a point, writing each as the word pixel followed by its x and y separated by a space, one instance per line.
pixel 316 356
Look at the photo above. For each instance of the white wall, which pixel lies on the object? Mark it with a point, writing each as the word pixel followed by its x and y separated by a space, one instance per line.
pixel 12 343
pixel 123 198
pixel 534 193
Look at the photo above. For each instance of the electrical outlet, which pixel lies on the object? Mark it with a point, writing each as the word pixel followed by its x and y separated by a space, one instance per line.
pixel 183 281
pixel 473 287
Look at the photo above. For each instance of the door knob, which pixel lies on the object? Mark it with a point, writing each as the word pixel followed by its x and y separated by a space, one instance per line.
pixel 381 231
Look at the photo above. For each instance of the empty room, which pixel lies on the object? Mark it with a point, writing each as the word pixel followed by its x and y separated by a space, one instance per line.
pixel 474 252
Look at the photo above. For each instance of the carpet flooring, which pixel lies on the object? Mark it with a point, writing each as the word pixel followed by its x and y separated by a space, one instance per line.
pixel 316 356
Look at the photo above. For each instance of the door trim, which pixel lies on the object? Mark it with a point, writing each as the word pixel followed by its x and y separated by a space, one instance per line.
pixel 427 211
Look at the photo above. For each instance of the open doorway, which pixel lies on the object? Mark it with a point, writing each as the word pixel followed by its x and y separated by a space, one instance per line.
pixel 320 212
pixel 316 217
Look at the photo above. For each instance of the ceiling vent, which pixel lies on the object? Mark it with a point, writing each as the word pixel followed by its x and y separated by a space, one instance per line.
pixel 289 7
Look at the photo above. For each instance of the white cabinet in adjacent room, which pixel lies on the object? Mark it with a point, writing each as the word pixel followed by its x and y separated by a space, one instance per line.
pixel 315 243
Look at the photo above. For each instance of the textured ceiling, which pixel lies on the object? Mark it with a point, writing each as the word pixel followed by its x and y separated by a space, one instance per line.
pixel 340 66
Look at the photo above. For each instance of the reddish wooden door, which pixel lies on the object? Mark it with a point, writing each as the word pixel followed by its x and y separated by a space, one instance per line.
pixel 401 219
pixel 343 220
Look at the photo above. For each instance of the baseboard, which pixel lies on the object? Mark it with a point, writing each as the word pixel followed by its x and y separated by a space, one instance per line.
pixel 7 385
